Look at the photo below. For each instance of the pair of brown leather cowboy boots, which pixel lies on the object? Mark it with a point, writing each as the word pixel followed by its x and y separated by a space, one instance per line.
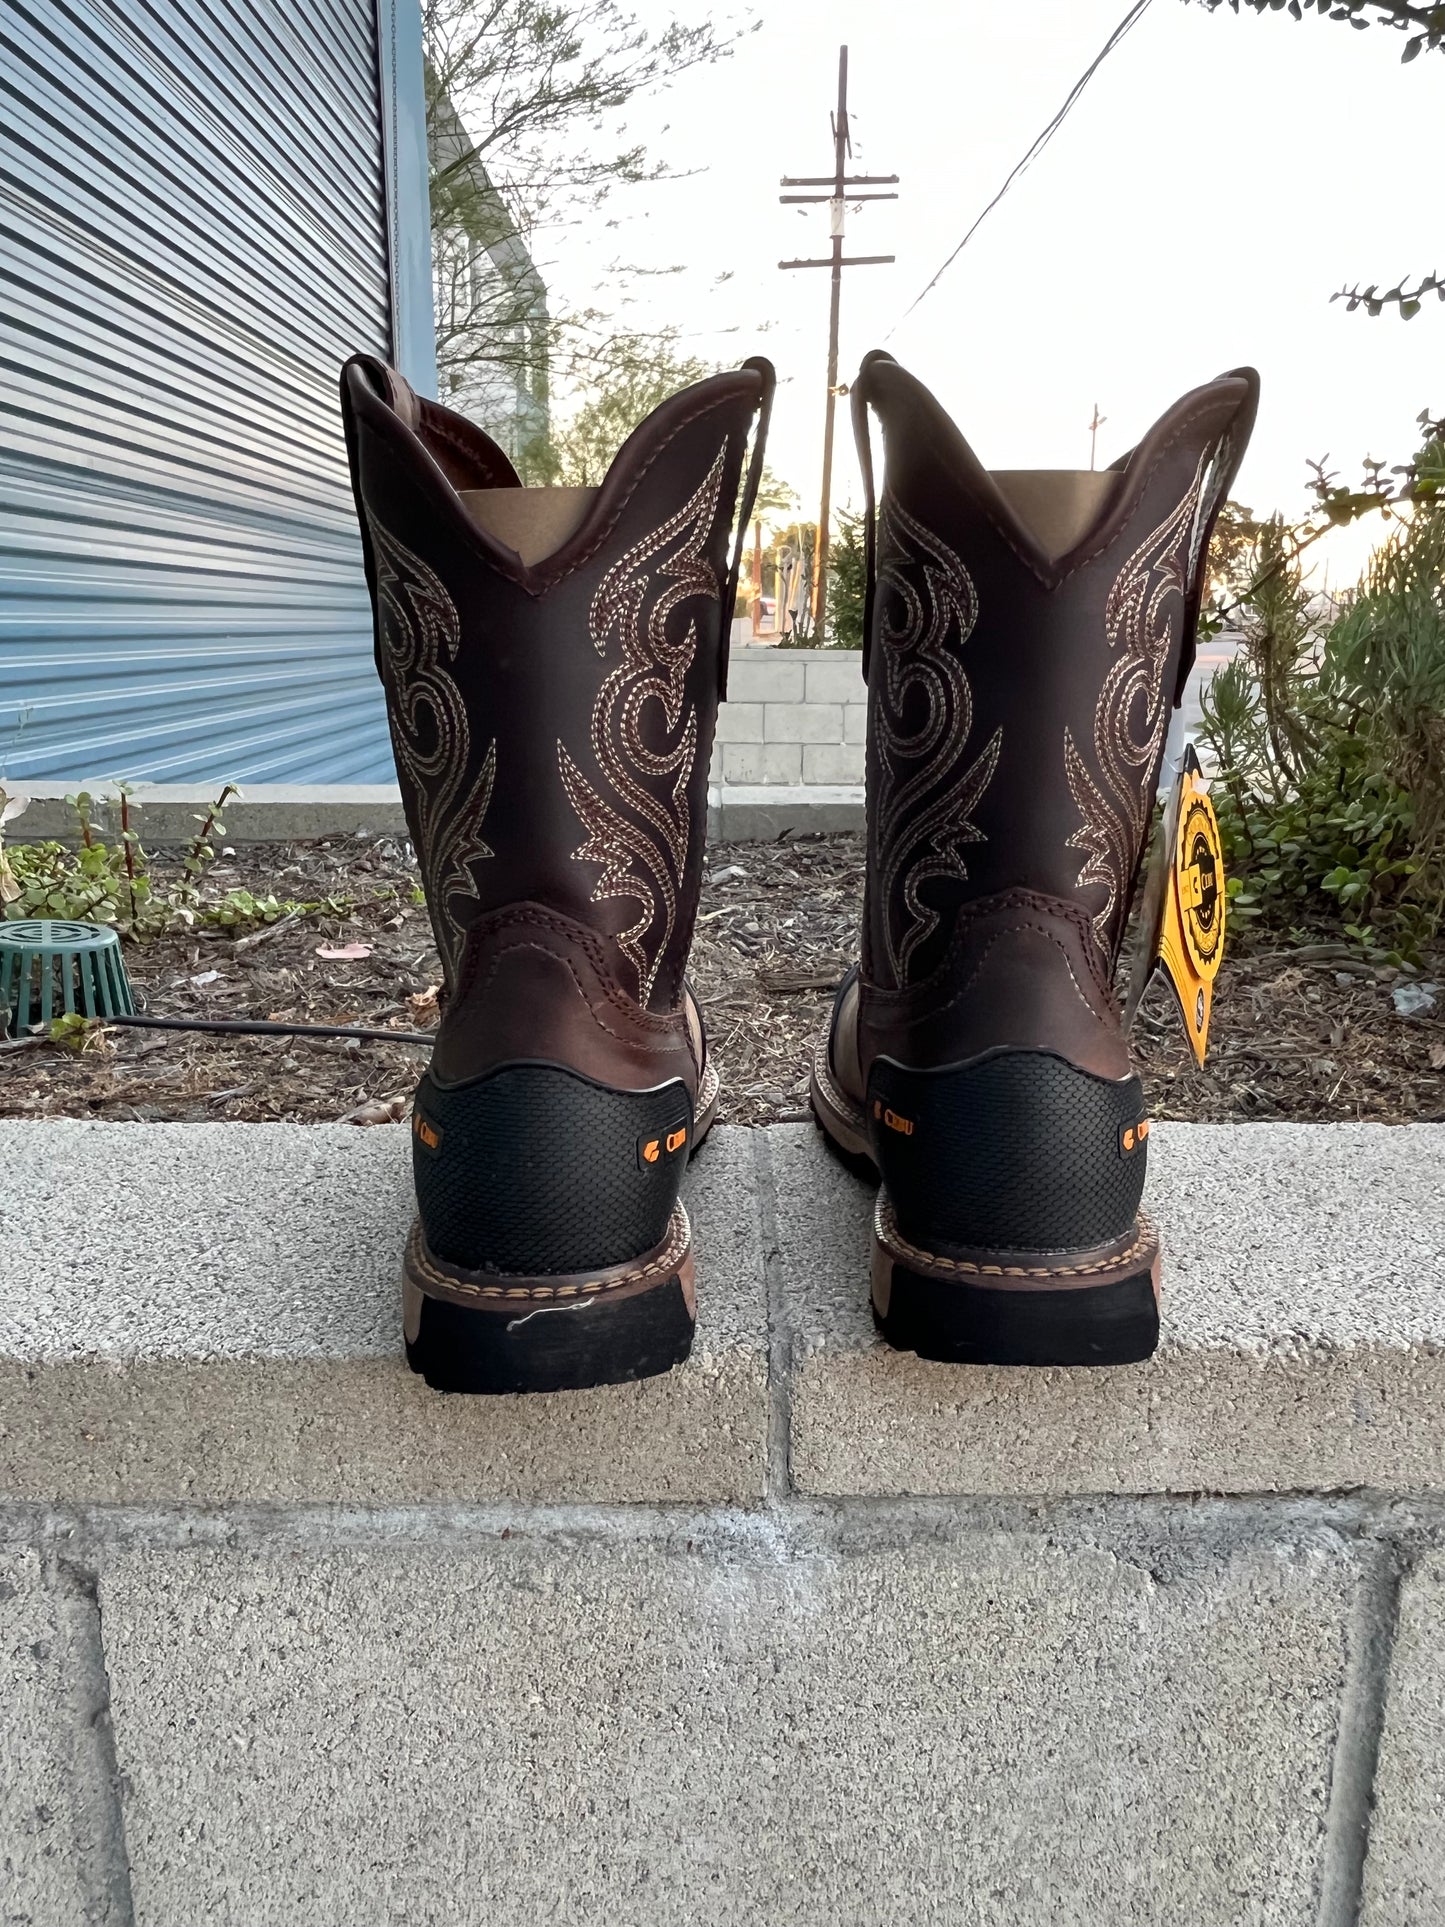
pixel 553 660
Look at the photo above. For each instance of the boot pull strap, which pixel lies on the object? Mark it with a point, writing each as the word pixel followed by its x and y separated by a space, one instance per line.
pixel 748 497
pixel 862 436
pixel 1228 454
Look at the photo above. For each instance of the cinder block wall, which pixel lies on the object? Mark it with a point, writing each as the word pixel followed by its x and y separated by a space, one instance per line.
pixel 793 716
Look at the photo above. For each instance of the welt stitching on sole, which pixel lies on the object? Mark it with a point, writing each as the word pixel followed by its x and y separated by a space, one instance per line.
pixel 886 1230
pixel 709 1087
pixel 848 1111
pixel 423 1270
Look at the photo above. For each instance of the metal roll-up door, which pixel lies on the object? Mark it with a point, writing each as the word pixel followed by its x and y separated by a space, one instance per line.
pixel 195 231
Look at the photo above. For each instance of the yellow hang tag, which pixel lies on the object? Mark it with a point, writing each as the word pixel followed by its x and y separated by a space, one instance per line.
pixel 1191 936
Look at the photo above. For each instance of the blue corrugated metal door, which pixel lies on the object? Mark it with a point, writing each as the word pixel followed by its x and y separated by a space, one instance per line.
pixel 193 236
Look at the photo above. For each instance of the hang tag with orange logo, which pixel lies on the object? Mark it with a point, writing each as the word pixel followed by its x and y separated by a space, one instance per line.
pixel 1191 935
pixel 1181 912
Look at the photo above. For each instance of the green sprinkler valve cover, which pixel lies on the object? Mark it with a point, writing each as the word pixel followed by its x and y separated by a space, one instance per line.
pixel 49 968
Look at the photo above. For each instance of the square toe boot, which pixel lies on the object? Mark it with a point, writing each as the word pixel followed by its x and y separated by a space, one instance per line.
pixel 552 661
pixel 1027 635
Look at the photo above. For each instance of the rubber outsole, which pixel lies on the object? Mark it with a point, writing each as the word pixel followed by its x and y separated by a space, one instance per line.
pixel 476 1332
pixel 487 1333
pixel 997 1308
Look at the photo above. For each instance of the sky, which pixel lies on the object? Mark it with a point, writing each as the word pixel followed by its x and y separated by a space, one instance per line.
pixel 1218 179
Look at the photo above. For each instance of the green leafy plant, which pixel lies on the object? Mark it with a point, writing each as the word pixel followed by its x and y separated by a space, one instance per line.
pixel 76 1032
pixel 241 910
pixel 847 572
pixel 1327 733
pixel 114 883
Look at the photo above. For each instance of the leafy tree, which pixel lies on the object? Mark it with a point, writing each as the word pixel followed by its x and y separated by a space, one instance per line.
pixel 645 371
pixel 1424 25
pixel 1424 28
pixel 523 106
pixel 1242 564
pixel 1231 551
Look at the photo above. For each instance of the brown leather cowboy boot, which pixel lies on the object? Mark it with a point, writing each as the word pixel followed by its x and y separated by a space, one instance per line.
pixel 553 661
pixel 1027 634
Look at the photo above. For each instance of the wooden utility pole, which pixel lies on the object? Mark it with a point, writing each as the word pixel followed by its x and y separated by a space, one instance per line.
pixel 1094 426
pixel 836 260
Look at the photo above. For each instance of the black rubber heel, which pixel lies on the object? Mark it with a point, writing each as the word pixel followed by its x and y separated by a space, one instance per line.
pixel 1008 1229
pixel 550 1251
pixel 1116 1323
pixel 469 1331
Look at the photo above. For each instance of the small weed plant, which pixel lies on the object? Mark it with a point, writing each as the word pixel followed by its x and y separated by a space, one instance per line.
pixel 113 881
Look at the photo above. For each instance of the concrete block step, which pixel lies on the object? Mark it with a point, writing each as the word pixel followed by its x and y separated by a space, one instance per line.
pixel 209 1313
pixel 1303 1346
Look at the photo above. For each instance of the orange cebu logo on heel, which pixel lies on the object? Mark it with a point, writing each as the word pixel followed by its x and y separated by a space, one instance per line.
pixel 653 1151
pixel 1132 1136
pixel 892 1120
pixel 430 1136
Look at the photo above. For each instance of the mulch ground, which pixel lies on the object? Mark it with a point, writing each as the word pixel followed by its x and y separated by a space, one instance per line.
pixel 1304 1029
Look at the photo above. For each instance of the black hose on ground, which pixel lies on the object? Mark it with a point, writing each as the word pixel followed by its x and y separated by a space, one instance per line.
pixel 262 1027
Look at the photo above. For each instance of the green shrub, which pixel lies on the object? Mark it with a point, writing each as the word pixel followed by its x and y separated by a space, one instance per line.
pixel 1329 744
pixel 847 575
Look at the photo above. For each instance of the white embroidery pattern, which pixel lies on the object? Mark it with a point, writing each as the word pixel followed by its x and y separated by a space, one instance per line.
pixel 420 636
pixel 638 837
pixel 929 789
pixel 1133 708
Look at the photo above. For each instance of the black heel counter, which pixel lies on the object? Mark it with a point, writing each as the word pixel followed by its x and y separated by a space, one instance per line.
pixel 1019 1151
pixel 535 1169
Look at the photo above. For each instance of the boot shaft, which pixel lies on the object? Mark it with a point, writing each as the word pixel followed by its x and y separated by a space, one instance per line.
pixel 552 661
pixel 1027 637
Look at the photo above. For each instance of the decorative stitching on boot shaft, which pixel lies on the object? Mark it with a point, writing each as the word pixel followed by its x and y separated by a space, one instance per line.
pixel 1045 911
pixel 929 786
pixel 536 916
pixel 1132 711
pixel 639 838
pixel 420 635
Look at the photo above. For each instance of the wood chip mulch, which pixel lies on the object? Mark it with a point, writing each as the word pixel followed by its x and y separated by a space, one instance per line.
pixel 1304 1029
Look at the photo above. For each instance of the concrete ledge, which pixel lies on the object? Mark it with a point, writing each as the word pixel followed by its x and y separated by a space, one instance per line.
pixel 1304 1344
pixel 979 1727
pixel 211 1313
pixel 266 812
pixel 762 812
pixel 299 812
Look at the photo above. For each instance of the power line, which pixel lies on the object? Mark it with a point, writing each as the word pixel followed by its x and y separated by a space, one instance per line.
pixel 1134 14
